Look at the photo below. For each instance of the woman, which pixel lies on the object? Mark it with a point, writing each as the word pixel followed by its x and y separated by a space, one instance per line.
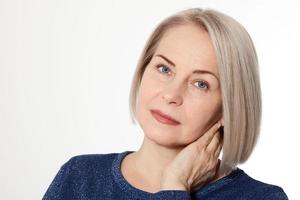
pixel 195 92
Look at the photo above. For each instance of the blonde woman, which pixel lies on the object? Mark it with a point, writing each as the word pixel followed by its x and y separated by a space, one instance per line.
pixel 195 93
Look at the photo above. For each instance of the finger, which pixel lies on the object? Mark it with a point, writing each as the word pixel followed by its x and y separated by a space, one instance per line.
pixel 215 142
pixel 208 135
pixel 218 151
pixel 222 121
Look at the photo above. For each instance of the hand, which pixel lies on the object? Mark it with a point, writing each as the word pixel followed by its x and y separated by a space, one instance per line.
pixel 196 164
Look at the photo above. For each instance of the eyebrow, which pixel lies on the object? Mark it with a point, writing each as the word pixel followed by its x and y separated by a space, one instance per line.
pixel 197 71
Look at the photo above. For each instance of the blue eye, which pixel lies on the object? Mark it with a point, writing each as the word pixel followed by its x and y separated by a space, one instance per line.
pixel 203 84
pixel 164 68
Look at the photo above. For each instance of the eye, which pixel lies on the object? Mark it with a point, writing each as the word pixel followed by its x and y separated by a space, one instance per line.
pixel 202 84
pixel 163 68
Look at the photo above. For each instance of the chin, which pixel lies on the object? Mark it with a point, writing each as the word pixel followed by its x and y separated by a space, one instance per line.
pixel 166 139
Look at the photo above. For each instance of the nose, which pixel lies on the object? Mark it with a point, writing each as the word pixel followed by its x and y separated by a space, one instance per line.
pixel 173 94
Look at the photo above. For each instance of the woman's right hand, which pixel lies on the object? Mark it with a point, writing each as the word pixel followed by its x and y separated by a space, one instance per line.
pixel 196 164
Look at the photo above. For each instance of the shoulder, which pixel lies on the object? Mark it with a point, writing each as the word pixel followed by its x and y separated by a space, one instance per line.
pixel 80 169
pixel 87 162
pixel 79 175
pixel 90 160
pixel 260 189
pixel 87 165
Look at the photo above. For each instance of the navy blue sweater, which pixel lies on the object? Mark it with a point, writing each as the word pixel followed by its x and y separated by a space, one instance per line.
pixel 91 177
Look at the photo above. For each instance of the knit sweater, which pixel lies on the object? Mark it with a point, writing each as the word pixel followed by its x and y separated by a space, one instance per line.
pixel 99 177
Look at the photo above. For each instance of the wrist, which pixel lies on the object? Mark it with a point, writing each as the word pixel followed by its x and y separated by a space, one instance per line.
pixel 173 186
pixel 169 183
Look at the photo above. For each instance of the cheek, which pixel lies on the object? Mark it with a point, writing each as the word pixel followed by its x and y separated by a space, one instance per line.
pixel 201 117
pixel 148 90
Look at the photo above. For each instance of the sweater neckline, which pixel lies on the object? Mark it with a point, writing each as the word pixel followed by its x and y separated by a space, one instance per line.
pixel 136 192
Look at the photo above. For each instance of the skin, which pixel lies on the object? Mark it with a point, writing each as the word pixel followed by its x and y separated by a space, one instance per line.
pixel 184 156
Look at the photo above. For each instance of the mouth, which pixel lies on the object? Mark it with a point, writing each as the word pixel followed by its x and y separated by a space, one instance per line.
pixel 164 118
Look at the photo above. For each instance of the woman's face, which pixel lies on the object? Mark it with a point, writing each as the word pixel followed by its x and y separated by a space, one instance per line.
pixel 169 85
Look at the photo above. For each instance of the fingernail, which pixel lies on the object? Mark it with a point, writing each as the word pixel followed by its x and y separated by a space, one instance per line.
pixel 222 121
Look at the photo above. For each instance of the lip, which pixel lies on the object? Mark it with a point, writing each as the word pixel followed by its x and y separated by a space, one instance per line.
pixel 164 118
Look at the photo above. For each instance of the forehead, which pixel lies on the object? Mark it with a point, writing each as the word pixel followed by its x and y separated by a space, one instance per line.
pixel 188 46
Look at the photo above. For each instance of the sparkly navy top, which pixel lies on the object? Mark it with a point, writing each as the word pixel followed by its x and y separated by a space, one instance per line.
pixel 99 177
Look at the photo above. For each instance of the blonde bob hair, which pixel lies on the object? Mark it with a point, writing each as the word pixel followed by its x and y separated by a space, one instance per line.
pixel 239 78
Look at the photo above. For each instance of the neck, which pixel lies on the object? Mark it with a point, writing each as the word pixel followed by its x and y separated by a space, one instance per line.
pixel 151 160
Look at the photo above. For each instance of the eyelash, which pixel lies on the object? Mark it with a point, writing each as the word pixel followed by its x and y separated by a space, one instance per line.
pixel 160 65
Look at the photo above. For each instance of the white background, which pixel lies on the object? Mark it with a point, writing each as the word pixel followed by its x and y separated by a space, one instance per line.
pixel 66 69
